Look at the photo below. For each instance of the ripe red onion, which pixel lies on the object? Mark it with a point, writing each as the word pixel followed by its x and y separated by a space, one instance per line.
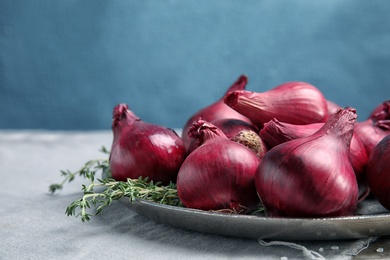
pixel 141 149
pixel 378 172
pixel 239 131
pixel 375 128
pixel 311 176
pixel 275 132
pixel 291 102
pixel 217 110
pixel 219 174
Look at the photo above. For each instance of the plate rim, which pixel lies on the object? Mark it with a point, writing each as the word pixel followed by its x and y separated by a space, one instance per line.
pixel 264 227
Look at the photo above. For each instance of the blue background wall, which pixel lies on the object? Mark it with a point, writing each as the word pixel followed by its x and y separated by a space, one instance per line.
pixel 66 64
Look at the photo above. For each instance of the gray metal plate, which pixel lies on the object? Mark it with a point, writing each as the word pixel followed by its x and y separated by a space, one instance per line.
pixel 372 220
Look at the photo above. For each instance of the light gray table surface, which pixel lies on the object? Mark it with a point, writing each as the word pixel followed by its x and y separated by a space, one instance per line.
pixel 33 224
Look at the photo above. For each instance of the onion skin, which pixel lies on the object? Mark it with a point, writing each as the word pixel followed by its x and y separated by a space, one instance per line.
pixel 216 110
pixel 378 172
pixel 375 128
pixel 311 176
pixel 291 102
pixel 219 174
pixel 141 149
pixel 251 140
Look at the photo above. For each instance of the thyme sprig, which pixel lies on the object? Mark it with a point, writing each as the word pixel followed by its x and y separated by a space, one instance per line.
pixel 110 189
pixel 88 171
pixel 114 190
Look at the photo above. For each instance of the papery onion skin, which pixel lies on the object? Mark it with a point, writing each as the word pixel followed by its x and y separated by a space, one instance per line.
pixel 290 102
pixel 141 149
pixel 311 176
pixel 378 172
pixel 216 110
pixel 375 128
pixel 251 140
pixel 219 174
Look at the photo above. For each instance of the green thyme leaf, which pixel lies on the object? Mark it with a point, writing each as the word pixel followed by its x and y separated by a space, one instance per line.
pixel 88 171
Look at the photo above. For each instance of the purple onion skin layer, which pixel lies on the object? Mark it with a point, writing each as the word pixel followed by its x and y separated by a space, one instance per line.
pixel 216 110
pixel 141 149
pixel 378 172
pixel 311 176
pixel 219 175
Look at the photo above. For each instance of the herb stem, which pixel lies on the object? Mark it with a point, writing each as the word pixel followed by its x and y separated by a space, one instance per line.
pixel 140 188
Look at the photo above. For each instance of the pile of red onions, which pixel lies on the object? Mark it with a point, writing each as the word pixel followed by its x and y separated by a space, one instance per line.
pixel 141 149
pixel 289 148
pixel 219 174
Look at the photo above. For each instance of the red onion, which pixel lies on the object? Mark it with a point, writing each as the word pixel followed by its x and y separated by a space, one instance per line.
pixel 141 149
pixel 375 128
pixel 217 110
pixel 292 102
pixel 275 132
pixel 311 176
pixel 219 174
pixel 378 172
pixel 239 131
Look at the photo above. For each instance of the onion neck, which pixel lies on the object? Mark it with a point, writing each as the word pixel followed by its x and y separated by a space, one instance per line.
pixel 122 118
pixel 340 124
pixel 240 84
pixel 202 131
